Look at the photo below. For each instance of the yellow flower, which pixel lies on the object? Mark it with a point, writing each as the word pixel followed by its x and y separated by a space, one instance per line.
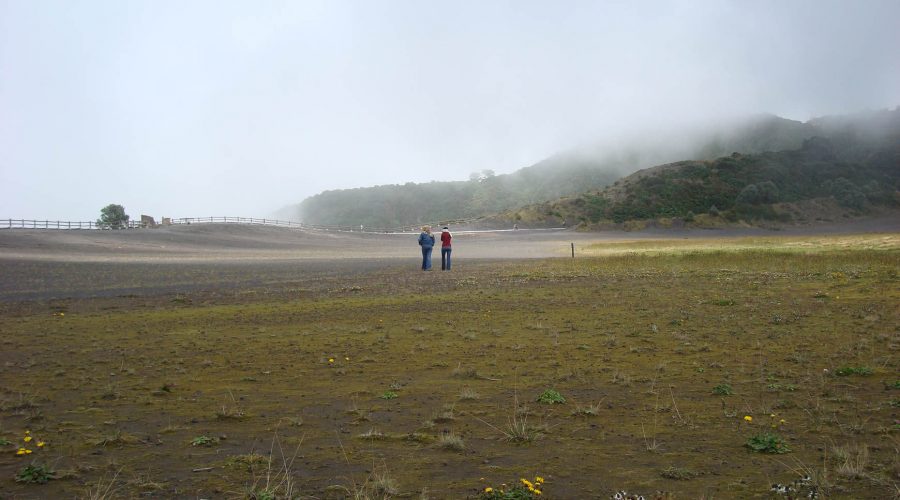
pixel 27 452
pixel 41 444
pixel 20 451
pixel 538 479
pixel 782 421
pixel 488 489
pixel 27 432
pixel 27 438
pixel 537 492
pixel 346 359
pixel 527 483
pixel 772 415
pixel 331 360
pixel 748 418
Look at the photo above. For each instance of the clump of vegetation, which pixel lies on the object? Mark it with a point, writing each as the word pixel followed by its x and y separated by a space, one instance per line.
pixel 551 397
pixel 845 371
pixel 587 410
pixel 231 412
pixel 677 473
pixel 852 460
pixel 460 372
pixel 118 438
pixel 445 415
pixel 723 390
pixel 261 494
pixel 274 479
pixel 418 437
pixel 372 435
pixel 467 394
pixel 517 429
pixel 767 443
pixel 203 441
pixel 379 484
pixel 248 461
pixel 35 473
pixel 389 395
pixel 451 441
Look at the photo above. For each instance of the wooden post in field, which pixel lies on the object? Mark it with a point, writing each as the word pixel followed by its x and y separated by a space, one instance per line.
pixel 573 250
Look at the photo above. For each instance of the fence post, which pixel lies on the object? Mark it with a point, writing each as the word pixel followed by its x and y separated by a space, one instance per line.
pixel 573 250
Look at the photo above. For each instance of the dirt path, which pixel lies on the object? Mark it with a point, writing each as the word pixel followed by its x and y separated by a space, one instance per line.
pixel 220 242
pixel 218 258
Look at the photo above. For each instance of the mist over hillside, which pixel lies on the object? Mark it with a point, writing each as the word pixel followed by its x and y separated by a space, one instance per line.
pixel 850 167
pixel 588 168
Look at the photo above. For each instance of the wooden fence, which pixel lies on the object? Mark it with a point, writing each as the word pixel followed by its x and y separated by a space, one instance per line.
pixel 59 224
pixel 133 224
pixel 238 220
pixel 280 223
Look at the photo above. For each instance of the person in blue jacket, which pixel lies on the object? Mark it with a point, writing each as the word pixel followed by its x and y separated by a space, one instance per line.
pixel 426 241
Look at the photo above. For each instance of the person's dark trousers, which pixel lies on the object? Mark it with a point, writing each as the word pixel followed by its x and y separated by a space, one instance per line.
pixel 426 258
pixel 445 259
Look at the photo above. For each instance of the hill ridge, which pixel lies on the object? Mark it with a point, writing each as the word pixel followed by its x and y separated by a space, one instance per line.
pixel 573 172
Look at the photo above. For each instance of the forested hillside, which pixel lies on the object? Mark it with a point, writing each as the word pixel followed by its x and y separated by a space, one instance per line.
pixel 562 175
pixel 854 164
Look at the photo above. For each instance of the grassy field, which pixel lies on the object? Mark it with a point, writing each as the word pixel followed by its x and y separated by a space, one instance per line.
pixel 704 369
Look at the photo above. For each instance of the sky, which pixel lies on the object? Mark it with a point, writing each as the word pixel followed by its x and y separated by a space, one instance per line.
pixel 239 108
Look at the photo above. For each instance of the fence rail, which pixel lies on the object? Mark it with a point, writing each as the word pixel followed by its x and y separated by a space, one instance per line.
pixel 238 220
pixel 280 223
pixel 134 224
pixel 59 224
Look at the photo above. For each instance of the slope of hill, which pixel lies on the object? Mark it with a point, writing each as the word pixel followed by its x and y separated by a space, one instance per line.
pixel 560 175
pixel 852 168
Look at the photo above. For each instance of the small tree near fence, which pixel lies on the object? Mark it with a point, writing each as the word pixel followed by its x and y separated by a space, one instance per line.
pixel 113 217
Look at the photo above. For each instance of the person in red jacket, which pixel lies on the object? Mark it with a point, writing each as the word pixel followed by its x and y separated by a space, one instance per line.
pixel 445 249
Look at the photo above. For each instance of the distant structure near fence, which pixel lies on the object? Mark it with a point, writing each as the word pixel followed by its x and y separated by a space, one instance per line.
pixel 147 221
